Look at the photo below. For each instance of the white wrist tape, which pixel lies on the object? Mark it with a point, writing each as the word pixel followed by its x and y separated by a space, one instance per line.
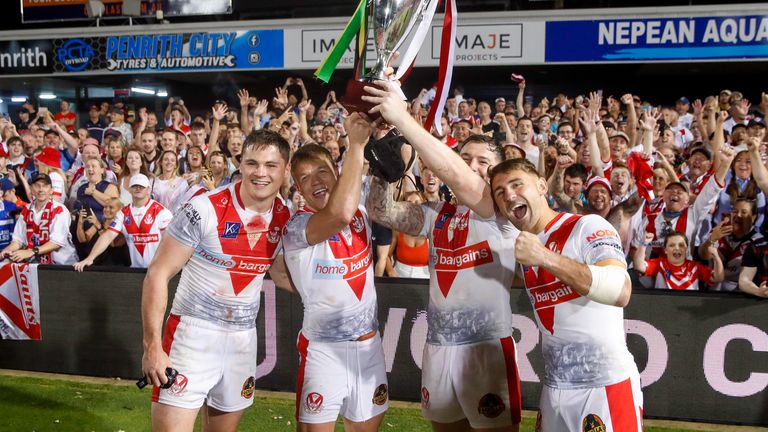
pixel 607 284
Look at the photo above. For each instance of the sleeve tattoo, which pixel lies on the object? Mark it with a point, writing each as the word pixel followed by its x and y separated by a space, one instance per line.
pixel 399 215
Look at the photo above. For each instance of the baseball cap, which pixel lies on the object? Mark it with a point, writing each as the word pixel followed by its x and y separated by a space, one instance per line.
pixel 598 181
pixel 6 184
pixel 91 141
pixel 620 134
pixel 49 156
pixel 139 180
pixel 703 151
pixel 500 99
pixel 680 184
pixel 756 122
pixel 41 177
pixel 93 107
pixel 684 100
pixel 112 133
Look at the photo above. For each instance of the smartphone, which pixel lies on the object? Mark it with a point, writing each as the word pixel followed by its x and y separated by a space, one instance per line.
pixel 600 92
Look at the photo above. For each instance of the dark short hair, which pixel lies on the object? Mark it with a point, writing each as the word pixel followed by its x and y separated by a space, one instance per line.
pixel 13 139
pixel 519 164
pixel 485 139
pixel 197 126
pixel 577 170
pixel 263 138
pixel 675 234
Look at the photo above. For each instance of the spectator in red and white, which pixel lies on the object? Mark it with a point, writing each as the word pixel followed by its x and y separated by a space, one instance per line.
pixel 177 116
pixel 678 214
pixel 622 183
pixel 142 224
pixel 95 123
pixel 65 117
pixel 673 269
pixel 48 162
pixel 599 196
pixel 16 156
pixel 117 117
pixel 134 165
pixel 42 232
pixel 699 167
pixel 168 186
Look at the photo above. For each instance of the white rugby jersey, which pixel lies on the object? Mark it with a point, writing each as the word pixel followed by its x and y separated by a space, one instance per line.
pixel 471 268
pixel 334 278
pixel 142 227
pixel 583 342
pixel 234 248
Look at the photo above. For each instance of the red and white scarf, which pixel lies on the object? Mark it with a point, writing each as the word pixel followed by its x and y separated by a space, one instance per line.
pixel 40 234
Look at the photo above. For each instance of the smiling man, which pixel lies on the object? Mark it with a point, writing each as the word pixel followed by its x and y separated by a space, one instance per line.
pixel 225 241
pixel 328 254
pixel 576 277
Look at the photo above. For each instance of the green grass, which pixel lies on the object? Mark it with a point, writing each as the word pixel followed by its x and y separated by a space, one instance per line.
pixel 41 405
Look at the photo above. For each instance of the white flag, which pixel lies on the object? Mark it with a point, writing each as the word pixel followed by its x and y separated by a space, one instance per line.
pixel 19 301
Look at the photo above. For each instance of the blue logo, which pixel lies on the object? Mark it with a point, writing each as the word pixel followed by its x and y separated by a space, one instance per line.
pixel 253 39
pixel 441 222
pixel 231 229
pixel 334 238
pixel 127 219
pixel 75 55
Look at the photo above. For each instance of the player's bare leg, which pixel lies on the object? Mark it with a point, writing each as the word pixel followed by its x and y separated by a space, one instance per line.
pixel 463 426
pixel 370 425
pixel 166 418
pixel 220 421
pixel 319 427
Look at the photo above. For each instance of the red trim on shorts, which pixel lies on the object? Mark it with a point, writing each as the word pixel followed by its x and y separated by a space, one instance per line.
pixel 302 346
pixel 621 405
pixel 513 379
pixel 170 332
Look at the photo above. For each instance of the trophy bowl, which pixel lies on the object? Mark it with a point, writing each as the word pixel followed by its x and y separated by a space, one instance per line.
pixel 392 21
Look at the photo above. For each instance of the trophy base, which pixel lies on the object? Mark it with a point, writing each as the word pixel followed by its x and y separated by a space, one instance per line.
pixel 352 99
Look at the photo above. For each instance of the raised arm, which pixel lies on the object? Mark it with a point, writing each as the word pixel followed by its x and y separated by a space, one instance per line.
pixel 638 259
pixel 629 101
pixel 520 101
pixel 589 123
pixel 469 188
pixel 218 111
pixel 345 197
pixel 556 182
pixel 759 172
pixel 245 118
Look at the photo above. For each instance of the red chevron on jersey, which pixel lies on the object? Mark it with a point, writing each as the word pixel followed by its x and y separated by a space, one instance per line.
pixel 351 246
pixel 450 236
pixel 544 289
pixel 252 246
pixel 140 232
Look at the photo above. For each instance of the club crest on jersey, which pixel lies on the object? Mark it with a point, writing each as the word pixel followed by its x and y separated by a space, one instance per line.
pixel 314 403
pixel 231 230
pixel 149 219
pixel 248 387
pixel 592 423
pixel 179 386
pixel 424 397
pixel 491 405
pixel 380 395
pixel 357 224
pixel 274 235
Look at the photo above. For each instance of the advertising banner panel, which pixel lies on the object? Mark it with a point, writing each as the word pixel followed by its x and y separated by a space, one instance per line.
pixel 644 39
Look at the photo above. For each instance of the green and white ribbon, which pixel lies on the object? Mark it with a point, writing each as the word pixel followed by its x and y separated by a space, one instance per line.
pixel 326 69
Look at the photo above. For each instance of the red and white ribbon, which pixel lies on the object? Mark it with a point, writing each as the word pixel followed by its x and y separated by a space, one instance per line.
pixel 447 49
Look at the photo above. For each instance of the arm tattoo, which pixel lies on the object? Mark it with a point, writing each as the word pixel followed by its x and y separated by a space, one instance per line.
pixel 400 215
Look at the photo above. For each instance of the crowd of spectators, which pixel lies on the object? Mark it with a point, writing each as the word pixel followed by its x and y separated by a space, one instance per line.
pixel 682 182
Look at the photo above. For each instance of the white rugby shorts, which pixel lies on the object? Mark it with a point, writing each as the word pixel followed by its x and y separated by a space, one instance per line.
pixel 347 378
pixel 216 366
pixel 477 381
pixel 612 408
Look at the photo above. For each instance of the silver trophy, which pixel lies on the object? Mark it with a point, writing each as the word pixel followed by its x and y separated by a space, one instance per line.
pixel 391 22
